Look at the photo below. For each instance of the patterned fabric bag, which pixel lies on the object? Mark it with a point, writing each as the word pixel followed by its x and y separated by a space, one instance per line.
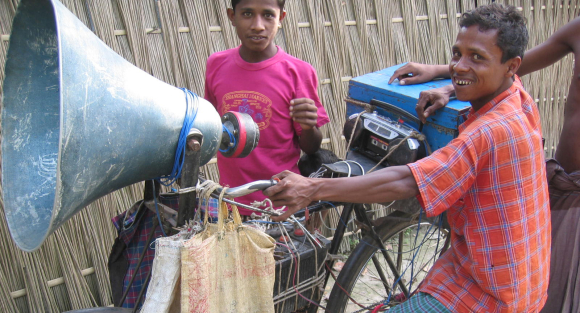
pixel 228 267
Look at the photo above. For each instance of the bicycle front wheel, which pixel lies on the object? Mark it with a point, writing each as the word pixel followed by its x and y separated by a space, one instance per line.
pixel 367 280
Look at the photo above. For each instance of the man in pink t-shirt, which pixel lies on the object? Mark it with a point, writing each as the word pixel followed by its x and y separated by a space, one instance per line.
pixel 278 90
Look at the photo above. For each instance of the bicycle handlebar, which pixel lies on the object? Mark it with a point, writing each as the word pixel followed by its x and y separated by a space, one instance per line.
pixel 262 185
pixel 248 188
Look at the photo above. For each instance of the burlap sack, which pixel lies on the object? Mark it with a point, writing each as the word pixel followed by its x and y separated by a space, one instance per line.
pixel 163 293
pixel 228 268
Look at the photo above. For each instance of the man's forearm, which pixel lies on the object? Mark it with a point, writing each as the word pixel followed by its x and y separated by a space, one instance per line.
pixel 392 183
pixel 552 50
pixel 296 192
pixel 543 56
pixel 310 140
pixel 441 71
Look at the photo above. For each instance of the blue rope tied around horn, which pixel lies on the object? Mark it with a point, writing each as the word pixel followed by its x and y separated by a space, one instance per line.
pixel 168 180
pixel 190 115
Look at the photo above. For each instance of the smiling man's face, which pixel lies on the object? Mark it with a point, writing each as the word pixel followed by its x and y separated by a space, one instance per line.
pixel 476 69
pixel 257 23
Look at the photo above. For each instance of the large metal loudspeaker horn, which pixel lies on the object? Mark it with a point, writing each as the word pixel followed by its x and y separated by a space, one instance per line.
pixel 79 122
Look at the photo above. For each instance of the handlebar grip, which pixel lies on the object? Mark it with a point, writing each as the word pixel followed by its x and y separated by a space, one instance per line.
pixel 250 187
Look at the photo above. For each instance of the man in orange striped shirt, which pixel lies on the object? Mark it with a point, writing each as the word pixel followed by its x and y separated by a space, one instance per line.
pixel 490 180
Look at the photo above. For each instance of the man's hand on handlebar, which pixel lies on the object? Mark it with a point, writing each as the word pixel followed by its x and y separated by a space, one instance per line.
pixel 293 191
pixel 416 73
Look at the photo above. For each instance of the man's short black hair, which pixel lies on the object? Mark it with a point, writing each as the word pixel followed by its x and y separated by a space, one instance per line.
pixel 512 34
pixel 280 4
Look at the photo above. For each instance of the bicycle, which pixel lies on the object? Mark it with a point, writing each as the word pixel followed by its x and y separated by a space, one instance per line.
pixel 393 256
pixel 389 262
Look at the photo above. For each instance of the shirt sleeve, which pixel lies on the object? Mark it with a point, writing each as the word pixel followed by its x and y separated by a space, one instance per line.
pixel 208 94
pixel 307 88
pixel 446 175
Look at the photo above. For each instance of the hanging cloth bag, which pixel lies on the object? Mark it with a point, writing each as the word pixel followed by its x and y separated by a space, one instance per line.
pixel 164 291
pixel 229 267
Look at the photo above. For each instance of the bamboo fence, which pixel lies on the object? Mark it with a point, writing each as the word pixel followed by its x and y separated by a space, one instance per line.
pixel 171 39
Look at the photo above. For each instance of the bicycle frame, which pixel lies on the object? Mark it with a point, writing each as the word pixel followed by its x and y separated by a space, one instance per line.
pixel 348 208
pixel 360 214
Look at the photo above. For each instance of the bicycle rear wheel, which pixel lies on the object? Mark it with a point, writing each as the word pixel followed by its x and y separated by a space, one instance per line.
pixel 366 279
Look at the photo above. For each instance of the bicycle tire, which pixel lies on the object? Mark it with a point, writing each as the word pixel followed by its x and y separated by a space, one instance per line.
pixel 395 224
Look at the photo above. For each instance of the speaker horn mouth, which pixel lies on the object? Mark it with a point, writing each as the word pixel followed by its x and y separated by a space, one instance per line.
pixel 79 122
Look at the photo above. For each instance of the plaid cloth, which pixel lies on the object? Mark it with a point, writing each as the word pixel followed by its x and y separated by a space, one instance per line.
pixel 421 302
pixel 134 231
pixel 211 207
pixel 491 180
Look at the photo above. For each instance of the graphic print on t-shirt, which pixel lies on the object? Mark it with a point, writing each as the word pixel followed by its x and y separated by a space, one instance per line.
pixel 257 105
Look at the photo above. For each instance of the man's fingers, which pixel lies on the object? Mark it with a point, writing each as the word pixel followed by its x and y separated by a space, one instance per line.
pixel 411 80
pixel 304 107
pixel 395 75
pixel 402 73
pixel 421 104
pixel 427 113
pixel 431 109
pixel 290 209
pixel 420 113
pixel 282 175
pixel 271 192
pixel 305 116
pixel 282 217
pixel 287 193
pixel 304 112
pixel 298 101
pixel 398 76
pixel 306 124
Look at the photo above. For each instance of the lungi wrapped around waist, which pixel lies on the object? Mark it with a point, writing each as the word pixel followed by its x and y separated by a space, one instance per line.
pixel 564 288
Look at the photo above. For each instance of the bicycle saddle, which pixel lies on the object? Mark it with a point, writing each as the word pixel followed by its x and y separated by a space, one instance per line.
pixel 343 169
pixel 355 164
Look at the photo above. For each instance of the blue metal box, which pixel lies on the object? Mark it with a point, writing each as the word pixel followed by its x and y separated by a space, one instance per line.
pixel 373 88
